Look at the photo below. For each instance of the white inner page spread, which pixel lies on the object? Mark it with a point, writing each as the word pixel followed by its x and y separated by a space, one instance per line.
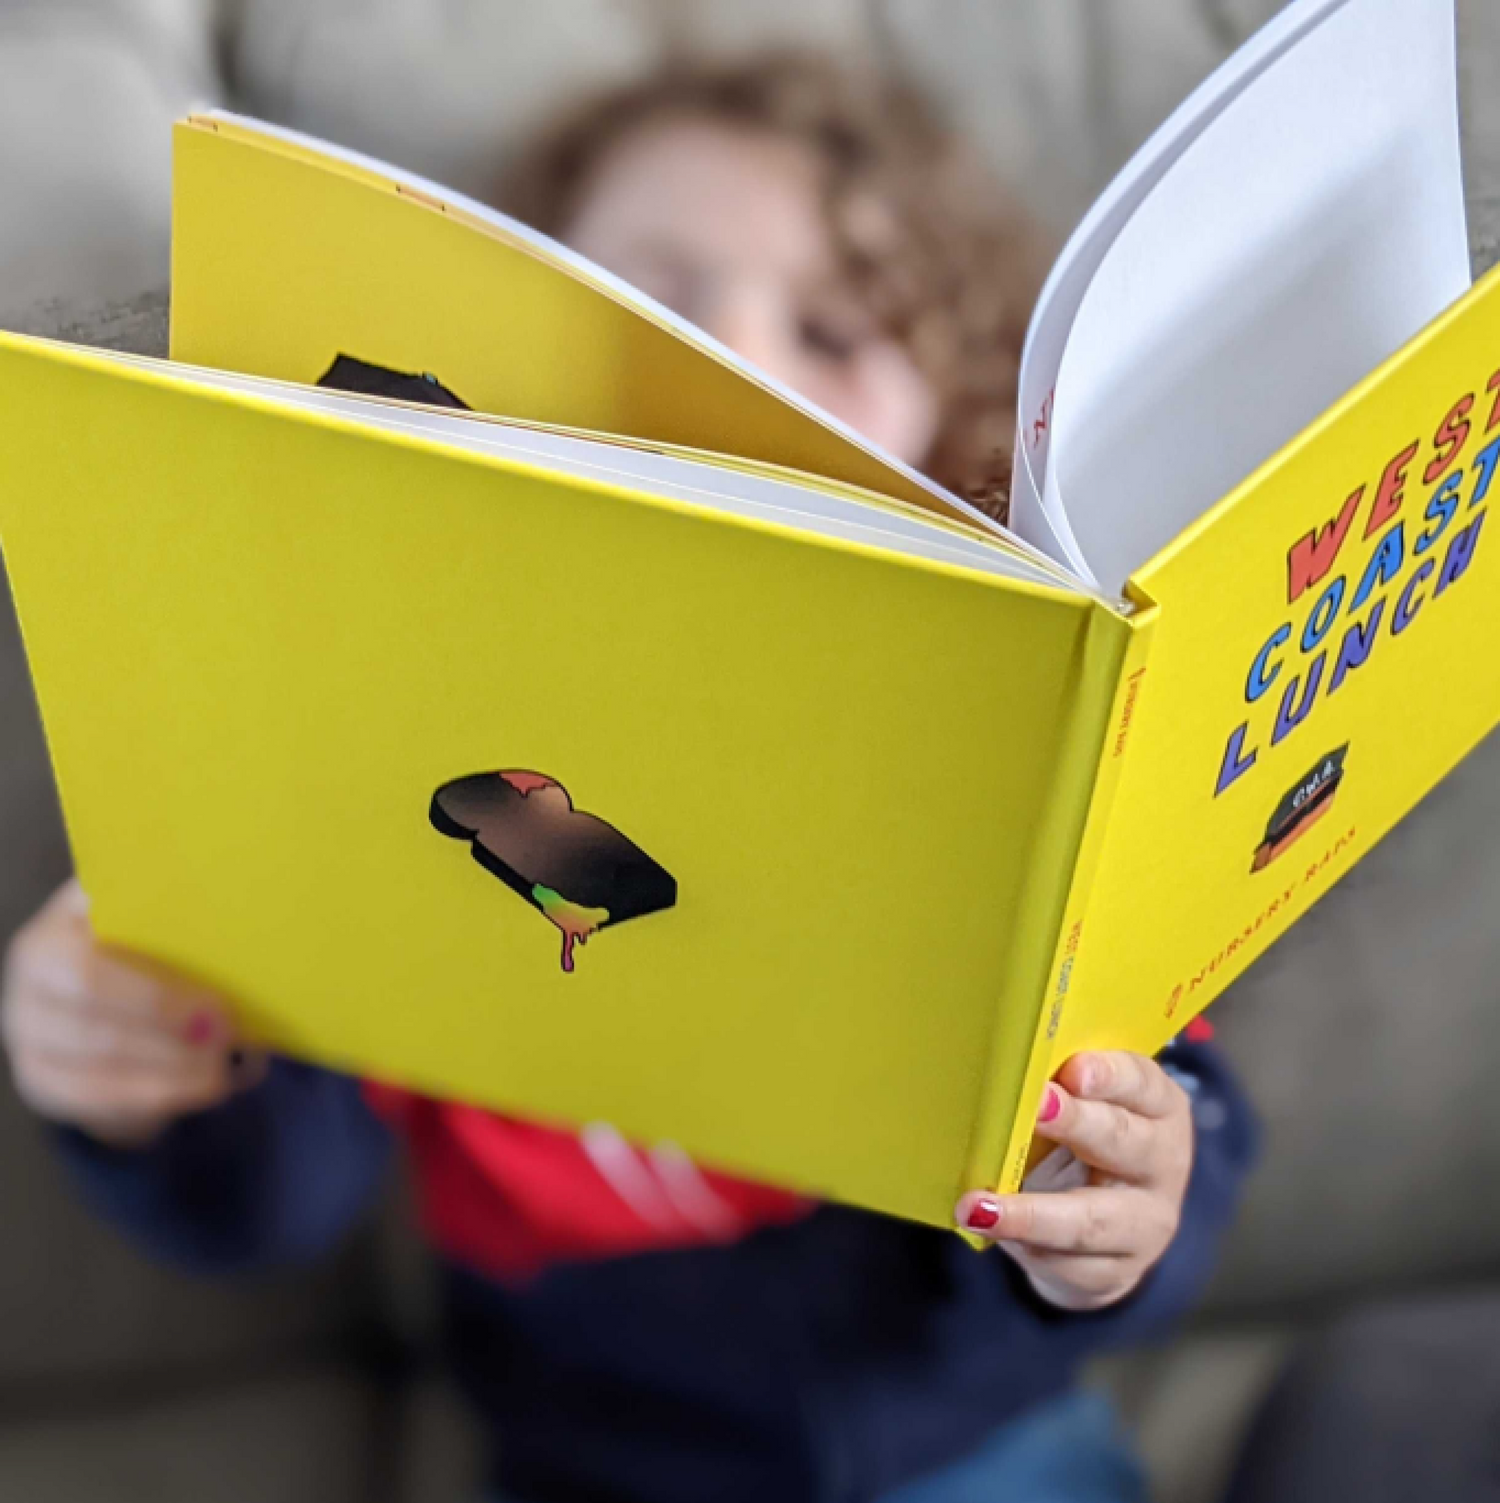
pixel 1293 223
pixel 1313 228
pixel 712 487
pixel 1068 281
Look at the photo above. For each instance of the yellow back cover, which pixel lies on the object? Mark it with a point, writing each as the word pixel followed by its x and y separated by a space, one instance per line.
pixel 285 258
pixel 270 644
pixel 1325 650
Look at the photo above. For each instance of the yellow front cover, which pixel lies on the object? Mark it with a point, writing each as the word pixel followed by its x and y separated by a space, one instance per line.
pixel 275 651
pixel 1327 648
pixel 284 258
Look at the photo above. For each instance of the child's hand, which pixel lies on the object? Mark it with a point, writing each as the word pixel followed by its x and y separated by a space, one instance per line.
pixel 101 1042
pixel 1131 1126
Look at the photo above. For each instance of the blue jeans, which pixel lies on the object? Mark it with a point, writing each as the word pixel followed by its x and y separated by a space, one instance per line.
pixel 1069 1451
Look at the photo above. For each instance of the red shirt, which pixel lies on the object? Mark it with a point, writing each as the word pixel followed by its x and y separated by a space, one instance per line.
pixel 508 1198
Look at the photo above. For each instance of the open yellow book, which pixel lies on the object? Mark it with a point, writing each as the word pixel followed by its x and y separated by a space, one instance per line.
pixel 493 686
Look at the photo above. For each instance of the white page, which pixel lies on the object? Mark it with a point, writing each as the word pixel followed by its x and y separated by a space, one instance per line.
pixel 1312 230
pixel 1068 282
pixel 711 487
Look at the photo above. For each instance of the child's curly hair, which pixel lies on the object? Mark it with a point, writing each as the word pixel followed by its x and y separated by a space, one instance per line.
pixel 943 259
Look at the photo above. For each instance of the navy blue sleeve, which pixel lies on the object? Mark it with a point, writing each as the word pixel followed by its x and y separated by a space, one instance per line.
pixel 1226 1143
pixel 276 1176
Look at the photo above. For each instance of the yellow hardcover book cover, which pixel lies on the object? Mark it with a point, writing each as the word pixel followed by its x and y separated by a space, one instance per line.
pixel 317 693
pixel 655 750
pixel 1323 654
pixel 287 256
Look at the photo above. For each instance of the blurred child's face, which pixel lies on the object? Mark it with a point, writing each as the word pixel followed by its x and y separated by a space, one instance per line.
pixel 726 227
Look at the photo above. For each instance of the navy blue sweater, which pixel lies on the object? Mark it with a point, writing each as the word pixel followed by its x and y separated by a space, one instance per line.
pixel 822 1362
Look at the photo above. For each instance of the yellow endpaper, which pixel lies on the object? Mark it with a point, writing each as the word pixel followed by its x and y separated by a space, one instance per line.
pixel 284 258
pixel 263 639
pixel 1324 654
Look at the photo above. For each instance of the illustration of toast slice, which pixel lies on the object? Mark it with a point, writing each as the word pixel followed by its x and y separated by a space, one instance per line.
pixel 364 379
pixel 579 872
pixel 1303 806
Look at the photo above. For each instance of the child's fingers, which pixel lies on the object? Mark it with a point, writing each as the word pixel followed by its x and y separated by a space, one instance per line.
pixel 1072 1282
pixel 74 1029
pixel 1115 1141
pixel 1094 1221
pixel 1132 1081
pixel 69 899
pixel 88 973
pixel 88 1093
pixel 59 958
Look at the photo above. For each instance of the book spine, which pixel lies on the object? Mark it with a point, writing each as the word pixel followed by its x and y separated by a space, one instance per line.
pixel 1110 757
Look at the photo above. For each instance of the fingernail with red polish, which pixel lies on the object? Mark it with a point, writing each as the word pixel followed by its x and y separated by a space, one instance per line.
pixel 1051 1105
pixel 202 1028
pixel 983 1215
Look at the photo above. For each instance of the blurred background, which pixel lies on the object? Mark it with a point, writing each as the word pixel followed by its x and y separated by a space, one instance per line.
pixel 1362 1037
pixel 1057 93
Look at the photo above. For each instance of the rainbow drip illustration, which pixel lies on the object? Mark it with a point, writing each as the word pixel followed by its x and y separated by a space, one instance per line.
pixel 576 870
pixel 577 924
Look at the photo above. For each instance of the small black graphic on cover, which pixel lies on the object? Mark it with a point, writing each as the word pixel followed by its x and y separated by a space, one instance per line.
pixel 1303 806
pixel 575 869
pixel 359 376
